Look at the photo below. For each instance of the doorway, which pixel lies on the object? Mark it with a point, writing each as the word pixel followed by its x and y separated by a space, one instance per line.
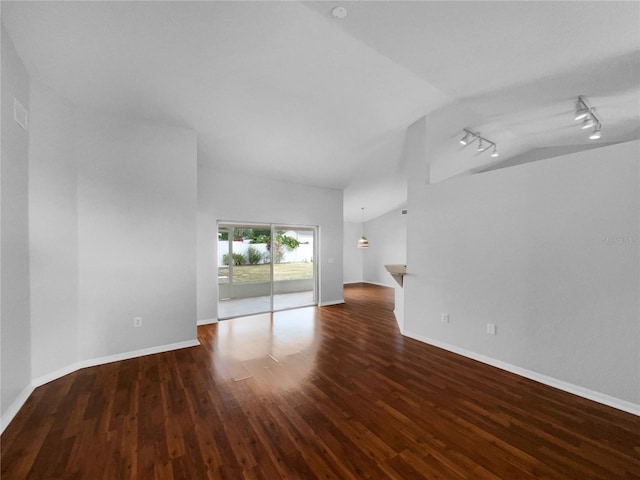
pixel 265 268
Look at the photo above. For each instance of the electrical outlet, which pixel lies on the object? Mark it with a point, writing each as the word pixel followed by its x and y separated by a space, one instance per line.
pixel 137 321
pixel 445 318
pixel 492 329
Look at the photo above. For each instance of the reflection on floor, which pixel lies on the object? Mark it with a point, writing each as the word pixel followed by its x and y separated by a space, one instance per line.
pixel 237 307
pixel 277 349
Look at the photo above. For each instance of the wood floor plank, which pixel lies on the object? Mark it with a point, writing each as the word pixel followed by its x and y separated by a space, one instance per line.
pixel 328 393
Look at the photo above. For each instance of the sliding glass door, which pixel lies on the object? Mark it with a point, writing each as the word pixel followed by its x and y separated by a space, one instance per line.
pixel 264 268
pixel 293 267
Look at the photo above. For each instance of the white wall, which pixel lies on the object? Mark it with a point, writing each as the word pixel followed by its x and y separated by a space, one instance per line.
pixel 229 197
pixel 352 265
pixel 14 236
pixel 112 234
pixel 137 196
pixel 53 226
pixel 533 249
pixel 98 227
pixel 387 236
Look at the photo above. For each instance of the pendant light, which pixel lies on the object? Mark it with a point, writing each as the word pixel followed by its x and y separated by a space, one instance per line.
pixel 363 242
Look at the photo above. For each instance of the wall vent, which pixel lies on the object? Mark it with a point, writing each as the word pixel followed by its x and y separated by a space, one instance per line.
pixel 20 114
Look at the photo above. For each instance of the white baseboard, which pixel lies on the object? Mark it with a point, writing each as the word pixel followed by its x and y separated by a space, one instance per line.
pixel 207 321
pixel 378 284
pixel 15 407
pixel 371 283
pixel 352 282
pixel 599 397
pixel 92 362
pixel 333 302
pixel 35 383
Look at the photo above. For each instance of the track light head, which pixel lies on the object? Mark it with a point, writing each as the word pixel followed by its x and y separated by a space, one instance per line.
pixel 483 147
pixel 582 109
pixel 495 152
pixel 596 134
pixel 581 113
pixel 468 137
pixel 587 123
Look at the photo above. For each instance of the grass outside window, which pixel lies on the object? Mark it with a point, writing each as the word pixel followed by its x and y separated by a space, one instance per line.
pixel 261 273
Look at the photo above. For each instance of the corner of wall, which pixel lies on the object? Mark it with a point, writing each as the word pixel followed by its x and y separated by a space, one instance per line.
pixel 14 232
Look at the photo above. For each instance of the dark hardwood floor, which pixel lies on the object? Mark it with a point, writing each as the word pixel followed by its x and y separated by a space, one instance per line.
pixel 332 392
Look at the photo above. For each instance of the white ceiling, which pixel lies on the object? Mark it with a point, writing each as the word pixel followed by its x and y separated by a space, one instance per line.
pixel 283 89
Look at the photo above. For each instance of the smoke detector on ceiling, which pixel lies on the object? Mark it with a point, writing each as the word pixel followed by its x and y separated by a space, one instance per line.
pixel 339 12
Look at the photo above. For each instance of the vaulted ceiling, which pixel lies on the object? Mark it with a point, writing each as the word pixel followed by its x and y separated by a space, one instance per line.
pixel 286 90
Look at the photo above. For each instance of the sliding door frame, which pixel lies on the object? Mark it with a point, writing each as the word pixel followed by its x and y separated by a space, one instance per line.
pixel 233 225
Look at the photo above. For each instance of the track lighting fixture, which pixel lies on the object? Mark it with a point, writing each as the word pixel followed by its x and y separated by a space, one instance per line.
pixel 589 119
pixel 483 143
